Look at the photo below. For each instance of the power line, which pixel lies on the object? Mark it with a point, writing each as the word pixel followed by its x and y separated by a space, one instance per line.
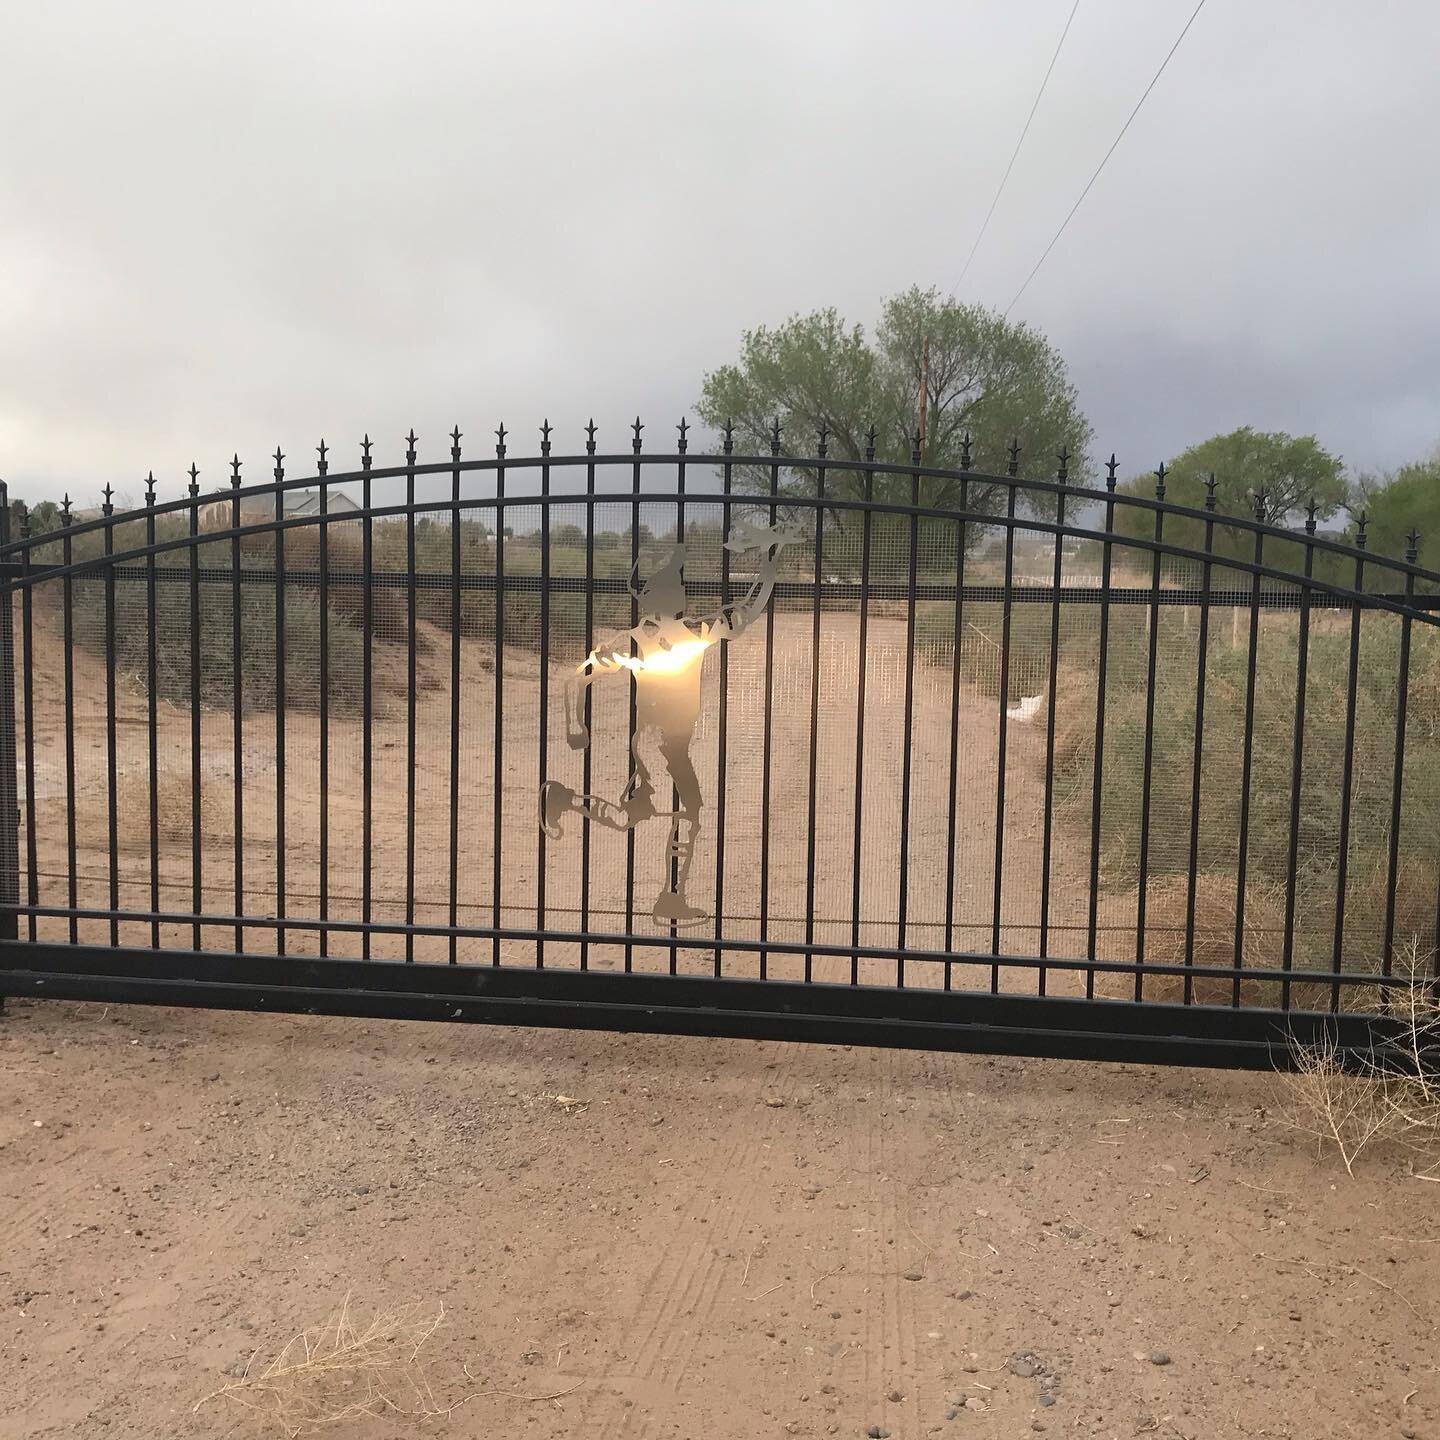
pixel 989 214
pixel 1103 162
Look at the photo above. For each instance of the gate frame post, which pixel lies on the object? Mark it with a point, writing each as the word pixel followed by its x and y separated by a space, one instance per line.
pixel 9 798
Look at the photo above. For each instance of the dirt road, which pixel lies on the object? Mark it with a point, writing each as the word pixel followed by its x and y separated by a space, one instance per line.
pixel 721 1239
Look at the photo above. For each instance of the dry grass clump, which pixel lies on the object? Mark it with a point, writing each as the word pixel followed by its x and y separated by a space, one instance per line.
pixel 1215 907
pixel 173 807
pixel 1415 891
pixel 1347 1109
pixel 1074 702
pixel 343 1370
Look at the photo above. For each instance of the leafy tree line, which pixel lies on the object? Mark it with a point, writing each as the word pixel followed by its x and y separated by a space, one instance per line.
pixel 993 380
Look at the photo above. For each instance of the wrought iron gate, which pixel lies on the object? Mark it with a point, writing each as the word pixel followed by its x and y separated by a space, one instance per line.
pixel 808 747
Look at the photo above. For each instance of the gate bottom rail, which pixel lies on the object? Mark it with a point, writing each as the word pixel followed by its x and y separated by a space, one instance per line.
pixel 1146 1033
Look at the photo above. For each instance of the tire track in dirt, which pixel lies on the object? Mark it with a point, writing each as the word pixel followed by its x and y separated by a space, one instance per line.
pixel 679 1295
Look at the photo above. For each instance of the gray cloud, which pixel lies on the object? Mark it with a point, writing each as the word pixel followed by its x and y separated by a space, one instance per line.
pixel 223 227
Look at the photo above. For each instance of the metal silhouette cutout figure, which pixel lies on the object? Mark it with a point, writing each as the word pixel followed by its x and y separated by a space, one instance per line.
pixel 668 650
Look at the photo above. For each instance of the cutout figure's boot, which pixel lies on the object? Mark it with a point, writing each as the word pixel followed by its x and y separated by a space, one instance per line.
pixel 555 800
pixel 673 908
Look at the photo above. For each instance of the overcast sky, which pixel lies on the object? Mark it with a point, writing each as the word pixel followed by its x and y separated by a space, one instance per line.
pixel 229 226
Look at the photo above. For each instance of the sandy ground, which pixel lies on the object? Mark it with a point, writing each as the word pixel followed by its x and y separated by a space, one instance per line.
pixel 720 1238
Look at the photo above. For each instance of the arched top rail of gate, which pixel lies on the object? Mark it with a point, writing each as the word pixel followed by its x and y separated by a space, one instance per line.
pixel 1419 583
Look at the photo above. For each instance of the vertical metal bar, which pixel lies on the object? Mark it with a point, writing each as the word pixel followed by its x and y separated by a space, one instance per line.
pixel 907 742
pixel 27 626
pixel 857 849
pixel 237 710
pixel 682 445
pixel 67 556
pixel 726 483
pixel 1096 789
pixel 1297 760
pixel 766 745
pixel 411 619
pixel 1142 884
pixel 1048 834
pixel 112 828
pixel 957 631
pixel 497 834
pixel 367 702
pixel 455 619
pixel 196 817
pixel 1012 470
pixel 630 731
pixel 1347 768
pixel 152 735
pixel 278 514
pixel 1397 784
pixel 544 756
pixel 811 799
pixel 9 799
pixel 585 763
pixel 322 470
pixel 1202 665
pixel 1247 755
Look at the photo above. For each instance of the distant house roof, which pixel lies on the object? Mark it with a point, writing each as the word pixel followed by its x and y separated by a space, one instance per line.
pixel 307 502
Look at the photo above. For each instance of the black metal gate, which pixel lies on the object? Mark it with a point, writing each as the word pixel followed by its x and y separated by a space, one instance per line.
pixel 804 747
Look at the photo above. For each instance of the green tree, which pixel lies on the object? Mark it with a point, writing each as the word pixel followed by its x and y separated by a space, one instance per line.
pixel 44 517
pixel 1289 471
pixel 991 378
pixel 1396 504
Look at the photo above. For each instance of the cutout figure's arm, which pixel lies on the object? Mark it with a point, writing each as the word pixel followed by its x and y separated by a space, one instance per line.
pixel 734 619
pixel 601 661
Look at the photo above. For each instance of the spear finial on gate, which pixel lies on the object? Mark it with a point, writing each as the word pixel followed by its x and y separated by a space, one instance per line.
pixel 65 510
pixel 590 437
pixel 235 472
pixel 1063 456
pixel 1110 467
pixel 1210 491
pixel 455 445
pixel 775 437
pixel 150 488
pixel 322 466
pixel 1160 482
pixel 1361 521
pixel 870 436
pixel 1310 510
pixel 728 431
pixel 410 447
pixel 1260 499
pixel 545 436
pixel 107 508
pixel 636 428
pixel 500 441
pixel 194 474
pixel 365 453
pixel 822 441
pixel 1013 468
pixel 965 460
pixel 279 465
pixel 684 428
pixel 24 519
pixel 916 441
pixel 1412 544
